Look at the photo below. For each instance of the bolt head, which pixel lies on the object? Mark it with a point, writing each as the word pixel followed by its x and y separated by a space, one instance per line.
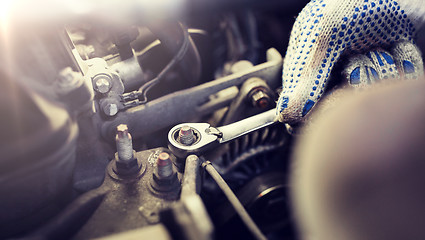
pixel 110 109
pixel 122 130
pixel 260 99
pixel 186 136
pixel 102 83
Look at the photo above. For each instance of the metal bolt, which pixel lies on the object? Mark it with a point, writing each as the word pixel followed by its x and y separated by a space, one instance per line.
pixel 186 136
pixel 124 144
pixel 110 109
pixel 102 83
pixel 260 99
pixel 164 165
pixel 164 178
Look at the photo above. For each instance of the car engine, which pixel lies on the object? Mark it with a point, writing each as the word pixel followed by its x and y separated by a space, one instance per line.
pixel 101 109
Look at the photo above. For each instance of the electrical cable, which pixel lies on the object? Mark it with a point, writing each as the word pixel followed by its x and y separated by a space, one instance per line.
pixel 178 57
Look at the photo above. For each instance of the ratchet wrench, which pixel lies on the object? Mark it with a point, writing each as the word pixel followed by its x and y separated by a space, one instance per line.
pixel 205 136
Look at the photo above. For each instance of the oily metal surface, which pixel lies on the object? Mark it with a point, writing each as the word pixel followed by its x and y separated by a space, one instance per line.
pixel 130 202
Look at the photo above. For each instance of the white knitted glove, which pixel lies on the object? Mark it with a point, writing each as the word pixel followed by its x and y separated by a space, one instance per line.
pixel 326 29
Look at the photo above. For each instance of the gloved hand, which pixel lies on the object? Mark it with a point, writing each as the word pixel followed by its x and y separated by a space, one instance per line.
pixel 382 31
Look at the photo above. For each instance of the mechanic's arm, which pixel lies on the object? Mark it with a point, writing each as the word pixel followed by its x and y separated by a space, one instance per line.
pixel 326 29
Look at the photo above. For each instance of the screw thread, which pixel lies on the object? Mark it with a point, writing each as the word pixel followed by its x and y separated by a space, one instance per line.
pixel 124 144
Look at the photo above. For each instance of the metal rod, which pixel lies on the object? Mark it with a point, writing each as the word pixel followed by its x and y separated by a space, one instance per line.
pixel 237 205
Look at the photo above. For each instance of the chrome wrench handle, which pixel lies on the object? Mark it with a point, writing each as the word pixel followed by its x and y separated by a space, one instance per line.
pixel 245 126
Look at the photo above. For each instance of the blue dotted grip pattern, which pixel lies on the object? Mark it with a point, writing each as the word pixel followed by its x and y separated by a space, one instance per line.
pixel 323 31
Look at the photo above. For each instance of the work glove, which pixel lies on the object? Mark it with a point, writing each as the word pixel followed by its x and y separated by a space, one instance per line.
pixel 376 36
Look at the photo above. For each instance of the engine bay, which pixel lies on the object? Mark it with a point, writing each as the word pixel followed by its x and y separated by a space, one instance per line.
pixel 103 107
